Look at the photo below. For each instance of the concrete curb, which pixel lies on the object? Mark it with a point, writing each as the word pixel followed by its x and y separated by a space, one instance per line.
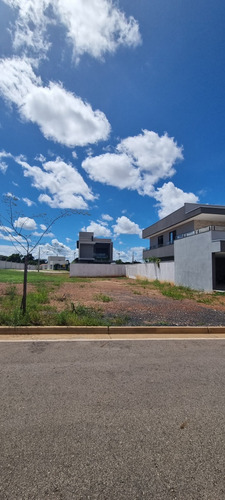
pixel 110 330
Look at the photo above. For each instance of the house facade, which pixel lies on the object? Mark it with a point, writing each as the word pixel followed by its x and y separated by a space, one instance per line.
pixel 95 250
pixel 55 262
pixel 194 238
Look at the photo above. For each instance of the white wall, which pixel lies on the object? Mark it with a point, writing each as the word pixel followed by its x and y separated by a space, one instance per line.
pixel 151 271
pixel 14 265
pixel 193 257
pixel 148 271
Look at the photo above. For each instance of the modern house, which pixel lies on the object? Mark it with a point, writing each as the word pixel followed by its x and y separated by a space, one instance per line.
pixel 194 238
pixel 95 250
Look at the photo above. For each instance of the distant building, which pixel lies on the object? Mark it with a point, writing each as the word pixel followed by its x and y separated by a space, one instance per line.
pixel 55 263
pixel 93 249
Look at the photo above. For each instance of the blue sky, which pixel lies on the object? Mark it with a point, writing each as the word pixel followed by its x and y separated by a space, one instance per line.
pixel 111 108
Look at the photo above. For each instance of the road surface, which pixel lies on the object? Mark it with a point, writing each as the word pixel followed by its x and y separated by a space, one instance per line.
pixel 112 420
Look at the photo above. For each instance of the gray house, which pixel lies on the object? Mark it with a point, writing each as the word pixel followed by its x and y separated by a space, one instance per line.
pixel 93 249
pixel 194 238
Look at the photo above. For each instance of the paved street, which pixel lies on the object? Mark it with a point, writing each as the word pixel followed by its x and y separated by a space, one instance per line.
pixel 119 420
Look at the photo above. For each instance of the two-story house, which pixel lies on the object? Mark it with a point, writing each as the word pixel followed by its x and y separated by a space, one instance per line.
pixel 91 249
pixel 194 238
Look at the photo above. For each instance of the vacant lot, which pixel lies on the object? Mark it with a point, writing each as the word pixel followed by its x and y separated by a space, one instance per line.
pixel 56 299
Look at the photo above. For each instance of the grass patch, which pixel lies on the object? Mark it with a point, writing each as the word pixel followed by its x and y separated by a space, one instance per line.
pixel 34 278
pixel 103 298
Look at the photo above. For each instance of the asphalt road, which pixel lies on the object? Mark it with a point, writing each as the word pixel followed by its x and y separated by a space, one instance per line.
pixel 118 420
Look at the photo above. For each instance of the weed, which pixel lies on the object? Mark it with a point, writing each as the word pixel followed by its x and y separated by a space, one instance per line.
pixel 102 298
pixel 11 291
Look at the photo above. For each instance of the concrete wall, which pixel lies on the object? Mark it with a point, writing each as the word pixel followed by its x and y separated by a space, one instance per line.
pixel 14 265
pixel 193 258
pixel 150 271
pixel 97 270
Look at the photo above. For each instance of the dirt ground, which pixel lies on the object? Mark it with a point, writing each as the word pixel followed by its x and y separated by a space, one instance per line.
pixel 140 306
pixel 137 305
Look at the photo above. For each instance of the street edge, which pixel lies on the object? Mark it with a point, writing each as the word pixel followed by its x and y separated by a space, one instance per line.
pixel 109 330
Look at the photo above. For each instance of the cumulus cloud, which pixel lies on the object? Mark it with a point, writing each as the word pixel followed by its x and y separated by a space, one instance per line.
pixel 62 184
pixel 56 247
pixel 107 217
pixel 133 253
pixel 95 27
pixel 112 169
pixel 126 226
pixel 138 163
pixel 171 198
pixel 98 229
pixel 71 122
pixel 25 223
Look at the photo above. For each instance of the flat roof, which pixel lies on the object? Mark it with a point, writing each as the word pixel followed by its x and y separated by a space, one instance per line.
pixel 186 212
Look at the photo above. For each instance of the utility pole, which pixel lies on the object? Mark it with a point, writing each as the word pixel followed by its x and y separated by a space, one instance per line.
pixel 38 259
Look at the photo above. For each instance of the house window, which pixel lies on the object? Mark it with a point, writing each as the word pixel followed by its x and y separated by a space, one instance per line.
pixel 172 236
pixel 160 241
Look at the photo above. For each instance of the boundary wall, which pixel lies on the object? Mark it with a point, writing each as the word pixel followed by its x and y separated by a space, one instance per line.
pixel 97 270
pixel 149 271
pixel 4 264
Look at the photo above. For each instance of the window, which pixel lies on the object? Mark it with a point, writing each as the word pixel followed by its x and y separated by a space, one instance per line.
pixel 160 241
pixel 172 236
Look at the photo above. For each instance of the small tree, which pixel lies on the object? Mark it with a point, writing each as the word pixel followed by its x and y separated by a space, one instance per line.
pixel 26 242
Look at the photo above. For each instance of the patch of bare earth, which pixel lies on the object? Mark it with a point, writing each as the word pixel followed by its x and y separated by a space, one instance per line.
pixel 140 306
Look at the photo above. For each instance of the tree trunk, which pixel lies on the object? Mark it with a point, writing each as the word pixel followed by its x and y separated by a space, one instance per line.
pixel 24 298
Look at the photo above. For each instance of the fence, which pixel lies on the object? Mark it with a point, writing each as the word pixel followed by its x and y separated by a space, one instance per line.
pixel 4 264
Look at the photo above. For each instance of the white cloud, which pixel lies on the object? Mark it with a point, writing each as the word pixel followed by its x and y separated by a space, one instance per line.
pixel 133 253
pixel 171 198
pixel 107 217
pixel 95 27
pixel 40 158
pixel 43 227
pixel 8 250
pixel 112 169
pixel 3 164
pixel 56 247
pixel 6 229
pixel 62 184
pixel 31 23
pixel 46 235
pixel 126 226
pixel 71 122
pixel 28 202
pixel 138 163
pixel 25 223
pixel 98 230
pixel 3 167
pixel 153 154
